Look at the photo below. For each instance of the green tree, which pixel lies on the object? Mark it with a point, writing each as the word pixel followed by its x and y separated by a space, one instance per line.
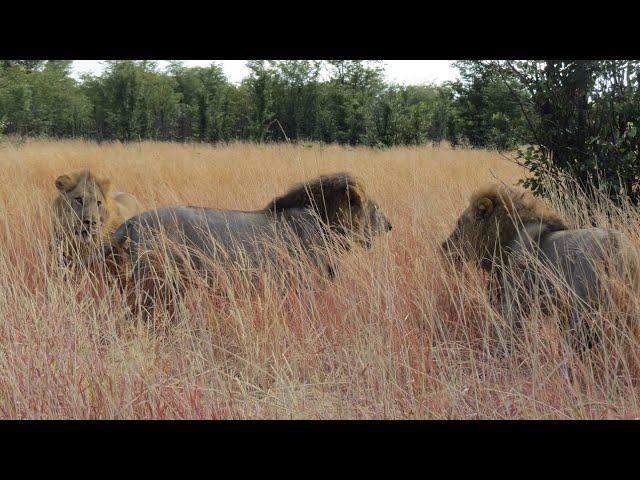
pixel 581 118
pixel 121 91
pixel 258 87
pixel 488 106
pixel 42 99
pixel 296 97
pixel 413 114
pixel 208 108
pixel 352 88
pixel 132 100
pixel 343 101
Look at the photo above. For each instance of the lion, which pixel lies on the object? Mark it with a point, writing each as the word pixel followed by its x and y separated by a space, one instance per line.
pixel 528 249
pixel 85 215
pixel 314 219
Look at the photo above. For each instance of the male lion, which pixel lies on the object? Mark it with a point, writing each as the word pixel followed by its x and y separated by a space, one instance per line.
pixel 529 251
pixel 310 220
pixel 86 213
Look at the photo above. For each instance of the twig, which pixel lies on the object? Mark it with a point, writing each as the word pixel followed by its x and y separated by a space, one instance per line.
pixel 498 179
pixel 275 120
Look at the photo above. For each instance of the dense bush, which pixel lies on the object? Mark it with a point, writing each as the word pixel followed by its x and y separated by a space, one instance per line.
pixel 581 121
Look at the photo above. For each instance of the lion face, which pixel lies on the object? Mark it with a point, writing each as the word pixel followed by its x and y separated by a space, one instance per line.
pixel 475 233
pixel 83 205
pixel 375 223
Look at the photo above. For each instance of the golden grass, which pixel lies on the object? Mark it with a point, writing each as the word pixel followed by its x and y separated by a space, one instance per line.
pixel 394 336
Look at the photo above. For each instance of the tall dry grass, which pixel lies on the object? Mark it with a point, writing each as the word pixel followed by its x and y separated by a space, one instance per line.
pixel 396 335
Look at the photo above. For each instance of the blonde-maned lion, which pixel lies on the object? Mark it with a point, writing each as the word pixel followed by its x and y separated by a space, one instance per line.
pixel 314 219
pixel 529 251
pixel 85 214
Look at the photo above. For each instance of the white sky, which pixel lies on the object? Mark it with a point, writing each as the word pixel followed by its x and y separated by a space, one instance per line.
pixel 410 72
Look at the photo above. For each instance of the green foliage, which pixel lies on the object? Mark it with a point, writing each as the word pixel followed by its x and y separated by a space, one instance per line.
pixel 133 101
pixel 335 101
pixel 565 118
pixel 295 102
pixel 487 107
pixel 42 100
pixel 582 118
pixel 412 115
pixel 259 91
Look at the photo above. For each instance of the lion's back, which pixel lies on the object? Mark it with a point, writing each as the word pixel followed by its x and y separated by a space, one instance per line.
pixel 210 231
pixel 582 255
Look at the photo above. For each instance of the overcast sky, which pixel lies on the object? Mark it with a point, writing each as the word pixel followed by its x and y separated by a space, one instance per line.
pixel 398 71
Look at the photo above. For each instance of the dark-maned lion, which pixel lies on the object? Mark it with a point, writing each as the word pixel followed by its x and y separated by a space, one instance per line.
pixel 529 250
pixel 313 219
pixel 86 213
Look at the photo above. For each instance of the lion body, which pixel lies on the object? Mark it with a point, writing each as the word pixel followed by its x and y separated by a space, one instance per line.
pixel 529 252
pixel 238 239
pixel 573 259
pixel 81 227
pixel 311 219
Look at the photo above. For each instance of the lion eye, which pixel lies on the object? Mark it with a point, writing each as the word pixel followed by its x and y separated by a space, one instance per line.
pixel 79 200
pixel 99 203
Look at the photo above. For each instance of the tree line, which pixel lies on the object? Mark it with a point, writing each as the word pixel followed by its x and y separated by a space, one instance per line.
pixel 336 101
pixel 574 118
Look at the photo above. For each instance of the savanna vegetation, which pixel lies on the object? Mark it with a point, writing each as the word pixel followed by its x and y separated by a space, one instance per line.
pixel 573 119
pixel 398 333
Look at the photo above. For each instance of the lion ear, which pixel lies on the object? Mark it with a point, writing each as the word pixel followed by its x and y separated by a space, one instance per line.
pixel 64 183
pixel 484 206
pixel 125 244
pixel 347 201
pixel 105 185
pixel 355 197
pixel 351 202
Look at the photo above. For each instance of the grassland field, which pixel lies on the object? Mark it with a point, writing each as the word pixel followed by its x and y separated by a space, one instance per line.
pixel 396 335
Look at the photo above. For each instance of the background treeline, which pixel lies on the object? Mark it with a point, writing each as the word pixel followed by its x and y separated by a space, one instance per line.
pixel 346 102
pixel 572 118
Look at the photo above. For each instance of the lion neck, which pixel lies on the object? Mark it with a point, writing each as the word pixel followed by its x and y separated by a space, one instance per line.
pixel 307 225
pixel 527 235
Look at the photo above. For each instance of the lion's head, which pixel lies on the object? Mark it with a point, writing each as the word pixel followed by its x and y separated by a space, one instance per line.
pixel 374 222
pixel 83 207
pixel 340 201
pixel 493 217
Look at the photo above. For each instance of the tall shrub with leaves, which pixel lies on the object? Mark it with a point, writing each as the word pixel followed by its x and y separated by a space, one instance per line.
pixel 582 122
pixel 341 101
pixel 296 97
pixel 258 88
